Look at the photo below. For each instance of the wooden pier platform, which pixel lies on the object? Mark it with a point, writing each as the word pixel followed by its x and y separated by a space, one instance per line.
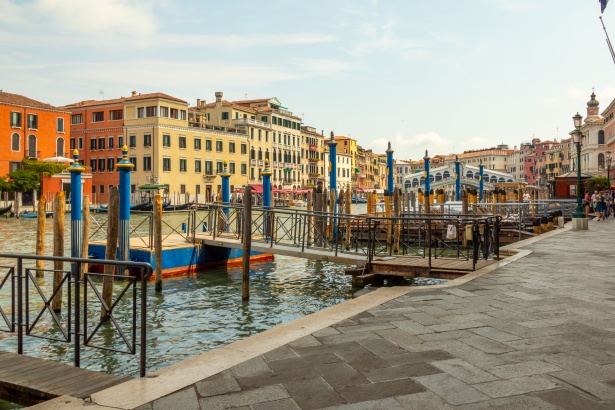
pixel 30 380
pixel 443 268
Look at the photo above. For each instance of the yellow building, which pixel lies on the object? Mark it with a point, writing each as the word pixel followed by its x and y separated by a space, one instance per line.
pixel 312 164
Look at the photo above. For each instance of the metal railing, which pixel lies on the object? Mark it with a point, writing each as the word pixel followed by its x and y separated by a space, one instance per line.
pixel 81 324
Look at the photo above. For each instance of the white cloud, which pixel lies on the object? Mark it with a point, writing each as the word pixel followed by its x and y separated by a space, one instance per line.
pixel 515 5
pixel 383 38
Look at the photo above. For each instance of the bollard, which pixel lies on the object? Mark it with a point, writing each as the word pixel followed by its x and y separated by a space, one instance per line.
pixel 536 226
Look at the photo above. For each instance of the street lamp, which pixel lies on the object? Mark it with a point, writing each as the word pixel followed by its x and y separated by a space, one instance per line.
pixel 576 138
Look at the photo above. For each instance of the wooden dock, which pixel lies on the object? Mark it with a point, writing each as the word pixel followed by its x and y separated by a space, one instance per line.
pixel 30 380
pixel 443 268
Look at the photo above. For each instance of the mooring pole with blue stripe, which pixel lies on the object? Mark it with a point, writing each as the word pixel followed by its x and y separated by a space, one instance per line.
pixel 266 173
pixel 457 179
pixel 481 185
pixel 427 181
pixel 390 182
pixel 76 239
pixel 226 193
pixel 124 167
pixel 333 177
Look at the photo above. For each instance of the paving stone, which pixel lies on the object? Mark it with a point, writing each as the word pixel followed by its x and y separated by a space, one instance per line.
pixel 494 334
pixel 423 401
pixel 374 391
pixel 327 331
pixel 244 398
pixel 555 321
pixel 308 340
pixel 220 383
pixel 420 357
pixel 432 310
pixel 536 342
pixel 251 367
pixel 382 347
pixel 453 334
pixel 455 326
pixel 465 317
pixel 510 403
pixel 365 328
pixel 412 327
pixel 283 352
pixel 531 355
pixel 451 389
pixel 459 292
pixel 303 362
pixel 284 404
pixel 591 386
pixel 400 372
pixel 528 368
pixel 403 338
pixel 583 367
pixel 486 345
pixel 313 393
pixel 359 357
pixel 381 319
pixel 340 374
pixel 347 337
pixel 278 377
pixel 568 400
pixel 182 400
pixel 465 371
pixel 518 385
pixel 475 356
pixel 383 404
pixel 423 318
pixel 393 312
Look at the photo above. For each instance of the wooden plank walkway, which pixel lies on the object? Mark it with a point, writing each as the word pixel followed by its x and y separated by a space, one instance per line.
pixel 30 379
pixel 445 268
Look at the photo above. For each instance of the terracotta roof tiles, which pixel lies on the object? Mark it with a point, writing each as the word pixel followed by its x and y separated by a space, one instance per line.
pixel 121 100
pixel 21 101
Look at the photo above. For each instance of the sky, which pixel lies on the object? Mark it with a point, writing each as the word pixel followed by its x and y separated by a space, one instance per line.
pixel 445 75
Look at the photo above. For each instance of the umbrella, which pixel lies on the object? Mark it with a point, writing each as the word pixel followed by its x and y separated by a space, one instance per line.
pixel 59 160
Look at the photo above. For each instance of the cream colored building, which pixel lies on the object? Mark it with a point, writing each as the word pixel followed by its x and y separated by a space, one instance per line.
pixel 312 150
pixel 492 158
pixel 593 158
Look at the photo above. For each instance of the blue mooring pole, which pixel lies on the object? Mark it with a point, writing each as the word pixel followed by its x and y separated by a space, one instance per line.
pixel 124 167
pixel 457 179
pixel 427 181
pixel 226 190
pixel 481 183
pixel 76 239
pixel 333 177
pixel 390 181
pixel 266 173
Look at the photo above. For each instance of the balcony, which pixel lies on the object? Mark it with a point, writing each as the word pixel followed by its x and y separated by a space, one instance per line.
pixel 313 159
pixel 32 154
pixel 216 128
pixel 260 163
pixel 244 122
pixel 252 162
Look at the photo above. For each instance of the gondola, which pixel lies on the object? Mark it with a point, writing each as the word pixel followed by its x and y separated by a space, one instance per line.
pixel 6 209
pixel 33 215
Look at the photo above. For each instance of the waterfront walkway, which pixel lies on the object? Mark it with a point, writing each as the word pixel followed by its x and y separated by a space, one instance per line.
pixel 535 331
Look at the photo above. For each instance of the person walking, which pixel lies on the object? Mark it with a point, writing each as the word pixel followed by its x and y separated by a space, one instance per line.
pixel 608 198
pixel 599 207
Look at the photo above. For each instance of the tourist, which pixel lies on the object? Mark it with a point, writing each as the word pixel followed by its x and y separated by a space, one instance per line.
pixel 598 200
pixel 594 199
pixel 587 203
pixel 609 204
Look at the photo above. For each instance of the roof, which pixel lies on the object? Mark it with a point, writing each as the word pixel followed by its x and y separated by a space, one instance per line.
pixel 21 101
pixel 121 100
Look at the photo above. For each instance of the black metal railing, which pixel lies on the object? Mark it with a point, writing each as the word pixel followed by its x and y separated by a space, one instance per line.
pixel 75 291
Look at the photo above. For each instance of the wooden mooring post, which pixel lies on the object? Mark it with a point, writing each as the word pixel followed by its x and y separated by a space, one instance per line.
pixel 310 219
pixel 40 236
pixel 157 220
pixel 113 229
pixel 247 243
pixel 85 232
pixel 347 212
pixel 59 204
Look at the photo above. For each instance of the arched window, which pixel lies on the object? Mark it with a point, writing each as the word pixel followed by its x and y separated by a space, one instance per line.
pixel 60 147
pixel 600 137
pixel 493 179
pixel 260 155
pixel 275 156
pixel 422 181
pixel 447 174
pixel 266 153
pixel 600 161
pixel 501 180
pixel 415 182
pixel 470 174
pixel 438 176
pixel 252 153
pixel 15 142
pixel 509 180
pixel 32 146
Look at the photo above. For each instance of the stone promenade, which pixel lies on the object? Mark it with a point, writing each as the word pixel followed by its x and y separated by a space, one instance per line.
pixel 536 333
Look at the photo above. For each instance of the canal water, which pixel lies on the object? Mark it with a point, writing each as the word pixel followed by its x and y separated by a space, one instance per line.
pixel 193 314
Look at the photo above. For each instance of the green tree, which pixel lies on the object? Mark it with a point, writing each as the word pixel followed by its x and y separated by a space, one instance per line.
pixel 43 168
pixel 23 180
pixel 596 184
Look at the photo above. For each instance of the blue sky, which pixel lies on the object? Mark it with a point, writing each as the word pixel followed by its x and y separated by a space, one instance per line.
pixel 445 75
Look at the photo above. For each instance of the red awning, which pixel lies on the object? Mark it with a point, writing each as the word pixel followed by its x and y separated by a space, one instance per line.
pixel 358 189
pixel 257 188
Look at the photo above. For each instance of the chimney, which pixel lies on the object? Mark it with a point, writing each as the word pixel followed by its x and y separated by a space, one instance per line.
pixel 134 93
pixel 203 103
pixel 218 96
pixel 198 103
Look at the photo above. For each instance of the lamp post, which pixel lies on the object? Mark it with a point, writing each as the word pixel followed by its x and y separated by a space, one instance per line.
pixel 576 138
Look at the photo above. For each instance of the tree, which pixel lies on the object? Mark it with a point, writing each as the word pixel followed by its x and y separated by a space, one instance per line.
pixel 43 168
pixel 23 180
pixel 596 183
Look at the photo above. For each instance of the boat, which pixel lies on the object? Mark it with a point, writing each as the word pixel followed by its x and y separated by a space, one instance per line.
pixel 357 200
pixel 6 209
pixel 33 215
pixel 180 207
pixel 301 204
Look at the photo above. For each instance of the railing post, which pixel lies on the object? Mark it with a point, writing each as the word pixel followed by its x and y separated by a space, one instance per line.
pixel 145 275
pixel 19 306
pixel 77 309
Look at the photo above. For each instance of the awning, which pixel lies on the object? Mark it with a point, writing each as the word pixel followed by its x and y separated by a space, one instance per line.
pixel 152 187
pixel 358 189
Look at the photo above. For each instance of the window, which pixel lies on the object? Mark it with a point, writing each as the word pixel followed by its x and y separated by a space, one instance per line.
pixel 244 168
pixel 274 120
pixel 15 119
pixel 231 167
pixel 197 165
pixel 60 125
pixel 219 167
pixel 259 135
pixel 33 121
pixel 110 139
pixel 60 147
pixel 133 161
pixel 147 163
pixel 80 143
pixel 164 111
pixel 264 118
pixel 166 140
pixel 244 149
pixel 182 165
pixel 101 143
pixel 151 111
pixel 251 133
pixel 110 164
pixel 197 143
pixel 15 142
pixel 116 115
pixel 72 144
pixel 101 164
pixel 174 113
pixel 120 141
pixel 93 164
pixel 231 147
pixel 101 189
pixel 252 155
pixel 182 189
pixel 225 115
pixel 132 141
pixel 207 145
pixel 209 168
pixel 140 112
pixel 98 116
pixel 182 142
pixel 147 140
pixel 166 164
pixel 182 114
pixel 218 146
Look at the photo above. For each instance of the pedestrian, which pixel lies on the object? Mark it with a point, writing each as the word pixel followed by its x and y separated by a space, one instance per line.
pixel 609 204
pixel 599 207
pixel 594 199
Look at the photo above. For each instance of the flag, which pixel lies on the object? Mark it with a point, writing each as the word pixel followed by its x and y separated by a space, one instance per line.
pixel 603 4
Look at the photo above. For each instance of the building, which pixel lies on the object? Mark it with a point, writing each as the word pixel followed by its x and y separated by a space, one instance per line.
pixel 492 158
pixel 593 159
pixel 313 148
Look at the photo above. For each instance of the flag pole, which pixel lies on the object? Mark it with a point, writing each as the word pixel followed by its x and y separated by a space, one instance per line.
pixel 608 41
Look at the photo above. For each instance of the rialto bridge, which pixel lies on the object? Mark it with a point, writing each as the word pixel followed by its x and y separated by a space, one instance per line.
pixel 444 177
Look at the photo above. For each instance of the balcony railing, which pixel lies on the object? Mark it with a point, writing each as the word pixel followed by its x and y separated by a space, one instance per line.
pixel 243 122
pixel 32 154
pixel 216 128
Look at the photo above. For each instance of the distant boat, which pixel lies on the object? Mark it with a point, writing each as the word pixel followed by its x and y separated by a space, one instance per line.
pixel 6 209
pixel 357 200
pixel 33 215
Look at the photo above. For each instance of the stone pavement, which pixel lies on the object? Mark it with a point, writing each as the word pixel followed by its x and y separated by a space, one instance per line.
pixel 537 333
